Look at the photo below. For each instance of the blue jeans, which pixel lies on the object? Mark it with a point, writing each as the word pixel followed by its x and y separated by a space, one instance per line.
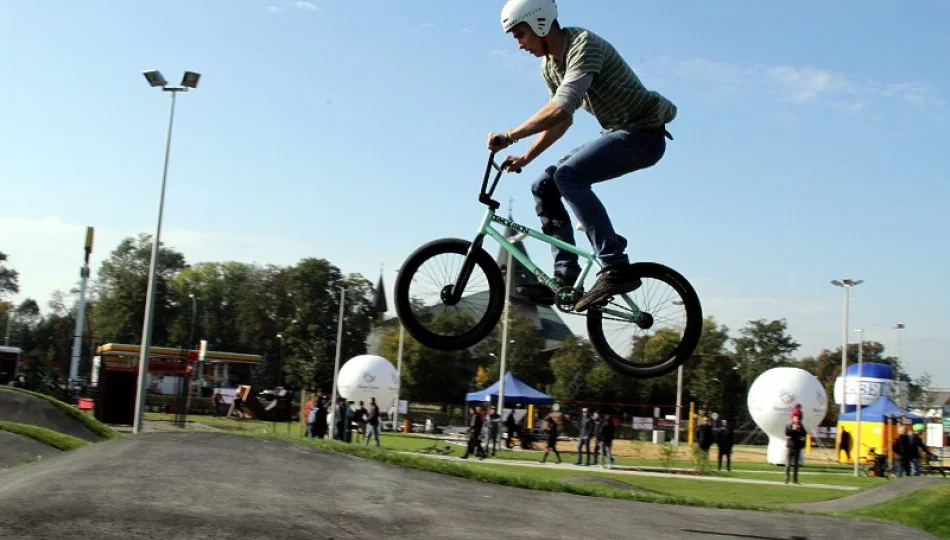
pixel 614 154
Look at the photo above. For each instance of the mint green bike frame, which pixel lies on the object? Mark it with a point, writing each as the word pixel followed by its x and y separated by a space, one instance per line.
pixel 486 229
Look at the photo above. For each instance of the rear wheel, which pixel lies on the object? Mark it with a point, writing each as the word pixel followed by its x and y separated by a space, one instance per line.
pixel 665 337
pixel 425 281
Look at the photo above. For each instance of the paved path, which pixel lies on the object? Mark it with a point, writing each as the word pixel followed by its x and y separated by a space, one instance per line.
pixel 207 486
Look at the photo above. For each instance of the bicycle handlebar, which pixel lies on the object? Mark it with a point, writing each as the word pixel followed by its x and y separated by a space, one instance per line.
pixel 486 192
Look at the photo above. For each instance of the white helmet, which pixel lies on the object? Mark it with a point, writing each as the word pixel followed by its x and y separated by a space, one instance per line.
pixel 539 14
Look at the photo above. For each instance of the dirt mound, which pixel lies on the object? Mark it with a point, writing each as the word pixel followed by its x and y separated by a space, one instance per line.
pixel 17 448
pixel 26 409
pixel 217 485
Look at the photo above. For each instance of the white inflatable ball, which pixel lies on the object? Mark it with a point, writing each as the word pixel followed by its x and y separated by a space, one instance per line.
pixel 772 397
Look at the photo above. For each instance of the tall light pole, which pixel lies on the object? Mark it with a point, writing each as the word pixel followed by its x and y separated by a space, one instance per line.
pixel 280 358
pixel 857 439
pixel 679 396
pixel 846 284
pixel 155 79
pixel 900 360
pixel 81 312
pixel 504 328
pixel 336 364
pixel 402 337
pixel 194 319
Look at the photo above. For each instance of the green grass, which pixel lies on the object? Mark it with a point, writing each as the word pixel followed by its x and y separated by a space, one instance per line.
pixel 749 471
pixel 664 490
pixel 490 474
pixel 45 436
pixel 926 509
pixel 755 495
pixel 411 442
pixel 95 426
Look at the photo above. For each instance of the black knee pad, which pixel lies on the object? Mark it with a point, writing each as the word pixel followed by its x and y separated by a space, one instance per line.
pixel 551 206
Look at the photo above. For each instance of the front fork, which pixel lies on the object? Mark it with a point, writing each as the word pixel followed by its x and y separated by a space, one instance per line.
pixel 452 294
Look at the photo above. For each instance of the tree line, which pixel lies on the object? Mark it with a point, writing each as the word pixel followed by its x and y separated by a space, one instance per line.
pixel 289 315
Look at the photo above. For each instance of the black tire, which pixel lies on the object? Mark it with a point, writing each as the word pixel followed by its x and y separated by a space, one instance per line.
pixel 680 354
pixel 481 329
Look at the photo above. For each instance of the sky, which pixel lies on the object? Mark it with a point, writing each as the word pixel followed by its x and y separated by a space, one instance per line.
pixel 811 144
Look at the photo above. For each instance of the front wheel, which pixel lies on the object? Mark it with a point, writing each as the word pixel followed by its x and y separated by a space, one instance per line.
pixel 664 339
pixel 423 284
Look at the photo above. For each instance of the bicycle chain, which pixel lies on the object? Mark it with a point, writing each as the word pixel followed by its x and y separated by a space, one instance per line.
pixel 570 311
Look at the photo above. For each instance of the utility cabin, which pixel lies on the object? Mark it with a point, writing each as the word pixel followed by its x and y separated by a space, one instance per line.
pixel 9 363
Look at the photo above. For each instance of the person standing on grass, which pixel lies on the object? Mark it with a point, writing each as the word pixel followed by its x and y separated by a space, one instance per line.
pixel 494 428
pixel 724 445
pixel 583 439
pixel 552 441
pixel 606 441
pixel 372 422
pixel 794 442
pixel 475 434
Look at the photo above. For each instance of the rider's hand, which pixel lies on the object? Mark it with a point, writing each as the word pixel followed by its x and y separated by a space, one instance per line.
pixel 501 137
pixel 516 163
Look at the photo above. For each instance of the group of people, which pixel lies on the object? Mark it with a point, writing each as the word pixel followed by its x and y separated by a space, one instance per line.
pixel 721 436
pixel 593 428
pixel 484 431
pixel 345 415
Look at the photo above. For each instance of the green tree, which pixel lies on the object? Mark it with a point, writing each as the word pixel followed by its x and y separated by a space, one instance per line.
pixel 9 278
pixel 311 333
pixel 121 290
pixel 708 367
pixel 919 391
pixel 570 367
pixel 428 374
pixel 763 345
pixel 524 357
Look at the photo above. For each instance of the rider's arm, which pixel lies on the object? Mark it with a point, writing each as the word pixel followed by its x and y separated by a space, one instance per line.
pixel 547 138
pixel 559 112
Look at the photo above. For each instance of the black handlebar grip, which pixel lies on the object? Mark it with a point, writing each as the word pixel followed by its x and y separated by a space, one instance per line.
pixel 499 140
pixel 508 162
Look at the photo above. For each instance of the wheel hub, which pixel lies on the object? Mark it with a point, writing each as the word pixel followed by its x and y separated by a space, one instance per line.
pixel 645 321
pixel 446 295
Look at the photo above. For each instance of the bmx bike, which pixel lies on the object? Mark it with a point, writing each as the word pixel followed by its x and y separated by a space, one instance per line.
pixel 436 448
pixel 468 297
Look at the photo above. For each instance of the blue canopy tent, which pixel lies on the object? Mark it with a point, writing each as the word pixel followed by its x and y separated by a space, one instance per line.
pixel 515 392
pixel 879 410
pixel 878 427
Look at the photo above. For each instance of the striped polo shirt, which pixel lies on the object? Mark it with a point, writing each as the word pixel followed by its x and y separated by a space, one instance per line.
pixel 616 97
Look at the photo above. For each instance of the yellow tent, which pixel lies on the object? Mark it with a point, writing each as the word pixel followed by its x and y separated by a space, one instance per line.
pixel 879 423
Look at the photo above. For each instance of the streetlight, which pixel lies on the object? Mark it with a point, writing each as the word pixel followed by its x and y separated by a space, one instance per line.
pixel 280 358
pixel 679 396
pixel 846 284
pixel 155 79
pixel 900 359
pixel 194 318
pixel 336 363
pixel 857 439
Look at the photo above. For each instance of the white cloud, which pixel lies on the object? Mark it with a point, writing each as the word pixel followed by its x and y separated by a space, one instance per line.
pixel 303 6
pixel 800 85
pixel 306 6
